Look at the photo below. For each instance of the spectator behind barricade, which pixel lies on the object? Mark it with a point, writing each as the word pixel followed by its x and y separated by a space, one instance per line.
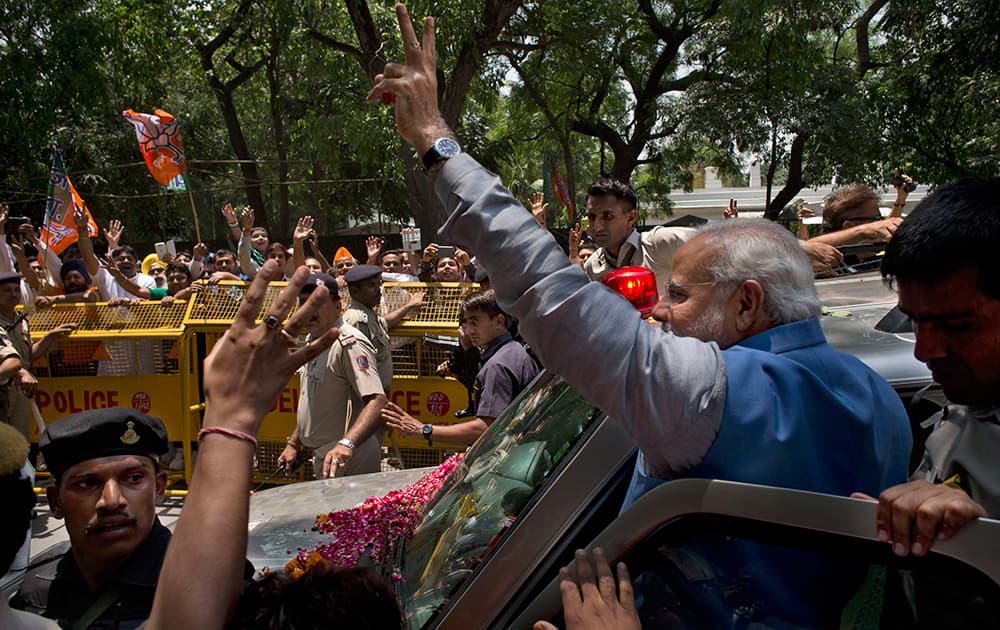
pixel 77 286
pixel 178 285
pixel 456 267
pixel 226 267
pixel 340 395
pixel 343 262
pixel 19 501
pixel 34 281
pixel 200 585
pixel 278 253
pixel 391 262
pixel 107 482
pixel 505 371
pixel 155 268
pixel 251 241
pixel 17 353
pixel 305 234
pixel 124 258
pixel 695 408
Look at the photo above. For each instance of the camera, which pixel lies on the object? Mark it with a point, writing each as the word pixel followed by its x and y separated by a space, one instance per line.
pixel 897 181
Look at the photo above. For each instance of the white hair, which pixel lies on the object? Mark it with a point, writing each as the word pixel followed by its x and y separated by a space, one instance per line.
pixel 757 249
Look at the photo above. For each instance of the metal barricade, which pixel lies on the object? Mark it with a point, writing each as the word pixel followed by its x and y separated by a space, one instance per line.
pixel 149 356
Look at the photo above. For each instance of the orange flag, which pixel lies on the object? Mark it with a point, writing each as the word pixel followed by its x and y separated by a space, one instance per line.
pixel 159 136
pixel 59 229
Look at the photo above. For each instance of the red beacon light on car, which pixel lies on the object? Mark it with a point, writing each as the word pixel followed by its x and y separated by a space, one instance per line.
pixel 635 284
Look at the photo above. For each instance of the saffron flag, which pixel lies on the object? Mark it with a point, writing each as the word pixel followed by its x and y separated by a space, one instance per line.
pixel 562 194
pixel 59 228
pixel 159 136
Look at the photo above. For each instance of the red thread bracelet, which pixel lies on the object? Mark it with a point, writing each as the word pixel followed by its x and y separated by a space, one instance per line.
pixel 233 433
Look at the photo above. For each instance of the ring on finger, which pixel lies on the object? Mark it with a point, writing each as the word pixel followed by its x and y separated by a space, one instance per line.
pixel 271 322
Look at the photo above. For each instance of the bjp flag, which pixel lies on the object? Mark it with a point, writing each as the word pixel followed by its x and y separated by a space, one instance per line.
pixel 159 136
pixel 59 228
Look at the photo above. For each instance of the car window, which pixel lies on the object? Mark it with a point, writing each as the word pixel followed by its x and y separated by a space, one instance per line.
pixel 722 572
pixel 487 492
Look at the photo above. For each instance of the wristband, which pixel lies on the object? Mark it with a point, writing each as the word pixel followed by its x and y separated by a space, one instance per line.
pixel 345 442
pixel 232 225
pixel 233 433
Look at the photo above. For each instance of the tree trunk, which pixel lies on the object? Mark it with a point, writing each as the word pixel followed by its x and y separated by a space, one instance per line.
pixel 280 143
pixel 795 182
pixel 248 163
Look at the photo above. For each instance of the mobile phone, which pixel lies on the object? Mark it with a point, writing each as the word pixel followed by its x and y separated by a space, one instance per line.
pixel 171 248
pixel 446 251
pixel 13 223
pixel 161 250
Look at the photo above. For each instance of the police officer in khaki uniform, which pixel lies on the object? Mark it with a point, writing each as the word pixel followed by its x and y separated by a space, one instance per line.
pixel 340 396
pixel 17 383
pixel 365 284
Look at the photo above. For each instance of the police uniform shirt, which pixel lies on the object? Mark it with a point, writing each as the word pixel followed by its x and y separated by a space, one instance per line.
pixel 63 595
pixel 332 388
pixel 654 249
pixel 506 371
pixel 376 329
pixel 15 341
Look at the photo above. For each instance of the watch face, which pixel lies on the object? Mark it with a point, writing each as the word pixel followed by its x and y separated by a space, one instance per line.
pixel 427 429
pixel 446 148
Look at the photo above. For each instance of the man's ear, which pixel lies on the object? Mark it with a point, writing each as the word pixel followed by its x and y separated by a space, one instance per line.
pixel 751 311
pixel 161 486
pixel 52 494
pixel 633 216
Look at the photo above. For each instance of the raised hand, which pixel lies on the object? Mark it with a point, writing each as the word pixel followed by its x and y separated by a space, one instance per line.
pixel 373 245
pixel 229 215
pixel 248 217
pixel 538 208
pixel 113 233
pixel 731 212
pixel 302 228
pixel 413 87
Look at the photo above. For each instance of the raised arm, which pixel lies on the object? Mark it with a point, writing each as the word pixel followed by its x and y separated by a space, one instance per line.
pixel 313 242
pixel 125 283
pixel 299 237
pixel 229 214
pixel 246 262
pixel 201 578
pixel 669 389
pixel 85 243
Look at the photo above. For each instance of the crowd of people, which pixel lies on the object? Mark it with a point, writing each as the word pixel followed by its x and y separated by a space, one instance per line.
pixel 736 381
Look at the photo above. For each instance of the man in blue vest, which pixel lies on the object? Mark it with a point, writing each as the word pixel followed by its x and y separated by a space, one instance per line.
pixel 745 389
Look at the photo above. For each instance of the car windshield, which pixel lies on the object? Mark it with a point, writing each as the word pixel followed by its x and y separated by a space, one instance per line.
pixel 487 492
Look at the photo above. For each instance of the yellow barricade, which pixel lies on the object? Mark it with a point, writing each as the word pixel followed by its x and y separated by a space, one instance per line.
pixel 148 356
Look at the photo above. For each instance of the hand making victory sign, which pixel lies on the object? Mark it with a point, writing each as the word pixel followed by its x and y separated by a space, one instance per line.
pixel 413 86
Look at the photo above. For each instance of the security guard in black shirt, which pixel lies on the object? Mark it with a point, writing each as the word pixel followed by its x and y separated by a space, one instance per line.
pixel 107 485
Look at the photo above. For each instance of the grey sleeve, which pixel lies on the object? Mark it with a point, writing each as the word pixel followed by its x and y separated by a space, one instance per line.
pixel 667 392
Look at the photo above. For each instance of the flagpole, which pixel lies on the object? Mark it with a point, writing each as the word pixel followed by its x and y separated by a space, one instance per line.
pixel 197 231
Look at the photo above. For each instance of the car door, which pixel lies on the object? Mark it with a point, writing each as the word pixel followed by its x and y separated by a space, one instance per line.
pixel 728 555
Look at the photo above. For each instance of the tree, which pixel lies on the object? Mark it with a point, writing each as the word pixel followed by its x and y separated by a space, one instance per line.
pixel 463 50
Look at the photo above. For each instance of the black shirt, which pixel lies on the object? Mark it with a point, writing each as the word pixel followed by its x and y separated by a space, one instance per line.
pixel 64 596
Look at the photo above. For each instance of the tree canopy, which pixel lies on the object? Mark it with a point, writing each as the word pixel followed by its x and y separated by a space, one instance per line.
pixel 270 96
